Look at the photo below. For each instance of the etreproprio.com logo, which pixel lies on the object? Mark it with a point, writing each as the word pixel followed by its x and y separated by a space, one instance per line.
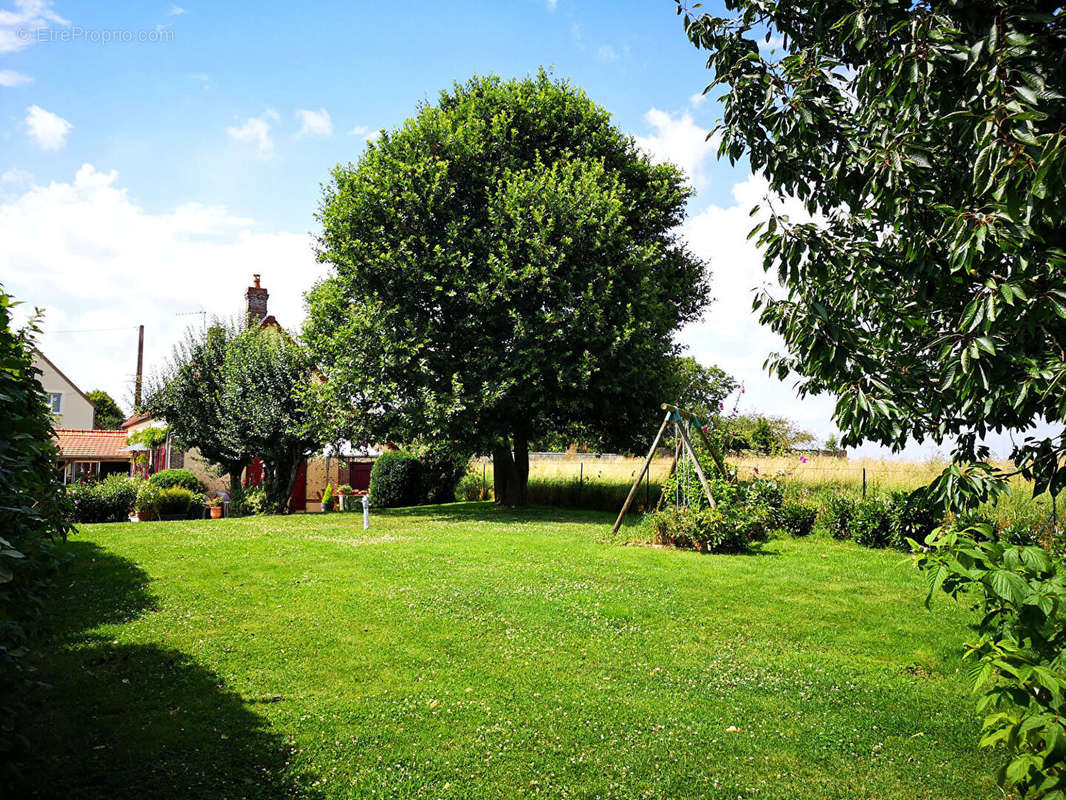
pixel 76 33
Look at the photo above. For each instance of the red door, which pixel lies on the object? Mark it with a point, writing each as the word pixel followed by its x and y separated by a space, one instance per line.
pixel 299 489
pixel 359 476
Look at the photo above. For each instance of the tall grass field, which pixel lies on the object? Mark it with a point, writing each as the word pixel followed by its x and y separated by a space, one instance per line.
pixel 585 480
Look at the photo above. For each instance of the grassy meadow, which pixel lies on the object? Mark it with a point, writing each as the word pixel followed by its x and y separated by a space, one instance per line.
pixel 581 480
pixel 467 651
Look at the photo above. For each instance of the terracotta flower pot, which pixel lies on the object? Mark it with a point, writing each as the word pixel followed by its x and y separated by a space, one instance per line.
pixel 216 512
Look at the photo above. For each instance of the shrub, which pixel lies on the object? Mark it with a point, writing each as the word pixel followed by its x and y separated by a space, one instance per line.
pixel 797 518
pixel 327 497
pixel 175 502
pixel 110 500
pixel 396 480
pixel 713 530
pixel 871 524
pixel 912 518
pixel 248 501
pixel 33 512
pixel 181 478
pixel 472 487
pixel 837 515
pixel 1019 535
pixel 442 468
pixel 1021 593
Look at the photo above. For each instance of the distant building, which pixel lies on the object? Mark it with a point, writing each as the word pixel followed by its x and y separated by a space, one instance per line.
pixel 69 406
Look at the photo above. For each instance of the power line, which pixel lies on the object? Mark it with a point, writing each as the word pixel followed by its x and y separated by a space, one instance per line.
pixel 93 330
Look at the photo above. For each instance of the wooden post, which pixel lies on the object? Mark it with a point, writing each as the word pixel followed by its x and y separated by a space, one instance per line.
pixel 711 446
pixel 696 464
pixel 636 483
pixel 140 370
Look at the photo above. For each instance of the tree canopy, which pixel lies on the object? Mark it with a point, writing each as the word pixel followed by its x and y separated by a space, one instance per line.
pixel 268 398
pixel 189 396
pixel 505 264
pixel 108 416
pixel 927 292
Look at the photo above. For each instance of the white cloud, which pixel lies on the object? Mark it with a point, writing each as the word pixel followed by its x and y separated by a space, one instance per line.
pixel 256 130
pixel 607 53
pixel 359 130
pixel 93 258
pixel 697 99
pixel 18 26
pixel 175 11
pixel 679 140
pixel 553 4
pixel 48 130
pixel 8 77
pixel 314 123
pixel 775 44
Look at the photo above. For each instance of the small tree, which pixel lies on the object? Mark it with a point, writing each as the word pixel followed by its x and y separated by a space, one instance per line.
pixel 702 389
pixel 189 396
pixel 108 416
pixel 506 264
pixel 268 398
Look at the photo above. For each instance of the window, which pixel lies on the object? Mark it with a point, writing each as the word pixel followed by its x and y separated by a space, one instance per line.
pixel 55 402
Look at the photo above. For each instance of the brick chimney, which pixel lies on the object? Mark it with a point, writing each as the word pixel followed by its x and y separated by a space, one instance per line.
pixel 256 300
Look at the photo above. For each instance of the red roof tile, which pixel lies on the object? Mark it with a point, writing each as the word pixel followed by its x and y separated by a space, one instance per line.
pixel 134 419
pixel 91 445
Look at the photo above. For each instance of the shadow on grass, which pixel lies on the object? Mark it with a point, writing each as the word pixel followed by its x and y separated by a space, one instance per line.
pixel 123 721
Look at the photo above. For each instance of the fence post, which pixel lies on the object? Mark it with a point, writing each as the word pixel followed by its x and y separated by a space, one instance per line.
pixel 581 482
pixel 864 483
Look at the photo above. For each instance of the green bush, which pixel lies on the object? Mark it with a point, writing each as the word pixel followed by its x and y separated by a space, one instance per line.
pixel 33 512
pixel 797 518
pixel 442 468
pixel 912 518
pixel 249 501
pixel 871 524
pixel 396 480
pixel 327 498
pixel 110 500
pixel 1019 535
pixel 1021 677
pixel 472 487
pixel 175 502
pixel 837 515
pixel 182 478
pixel 712 530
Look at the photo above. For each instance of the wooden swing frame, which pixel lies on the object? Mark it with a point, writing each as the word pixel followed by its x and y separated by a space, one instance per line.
pixel 681 419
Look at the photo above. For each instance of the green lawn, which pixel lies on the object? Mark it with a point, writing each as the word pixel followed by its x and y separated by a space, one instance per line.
pixel 463 651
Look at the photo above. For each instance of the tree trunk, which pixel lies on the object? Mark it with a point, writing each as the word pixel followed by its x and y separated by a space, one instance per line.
pixel 294 470
pixel 510 473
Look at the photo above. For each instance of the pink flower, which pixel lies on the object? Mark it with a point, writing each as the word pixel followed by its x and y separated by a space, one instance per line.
pixel 756 469
pixel 803 459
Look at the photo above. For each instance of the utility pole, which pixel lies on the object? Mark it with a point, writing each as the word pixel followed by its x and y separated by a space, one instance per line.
pixel 140 369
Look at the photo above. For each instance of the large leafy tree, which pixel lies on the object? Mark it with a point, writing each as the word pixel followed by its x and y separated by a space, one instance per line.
pixel 189 396
pixel 700 388
pixel 505 264
pixel 269 395
pixel 108 415
pixel 928 141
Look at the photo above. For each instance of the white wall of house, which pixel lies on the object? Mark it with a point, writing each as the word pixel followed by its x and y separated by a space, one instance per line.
pixel 70 408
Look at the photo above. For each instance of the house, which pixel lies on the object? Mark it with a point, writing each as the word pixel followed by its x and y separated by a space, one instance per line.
pixel 83 452
pixel 348 465
pixel 70 407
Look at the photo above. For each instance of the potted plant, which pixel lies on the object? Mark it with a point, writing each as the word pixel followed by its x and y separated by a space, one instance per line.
pixel 214 504
pixel 144 504
pixel 344 491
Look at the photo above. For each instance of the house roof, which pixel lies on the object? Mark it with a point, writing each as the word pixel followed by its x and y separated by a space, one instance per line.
pixel 85 445
pixel 133 420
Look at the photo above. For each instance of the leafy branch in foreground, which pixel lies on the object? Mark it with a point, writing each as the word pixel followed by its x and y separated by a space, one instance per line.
pixel 1020 672
pixel 926 288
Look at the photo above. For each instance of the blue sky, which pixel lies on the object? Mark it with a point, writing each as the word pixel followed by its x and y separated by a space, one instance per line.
pixel 144 178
